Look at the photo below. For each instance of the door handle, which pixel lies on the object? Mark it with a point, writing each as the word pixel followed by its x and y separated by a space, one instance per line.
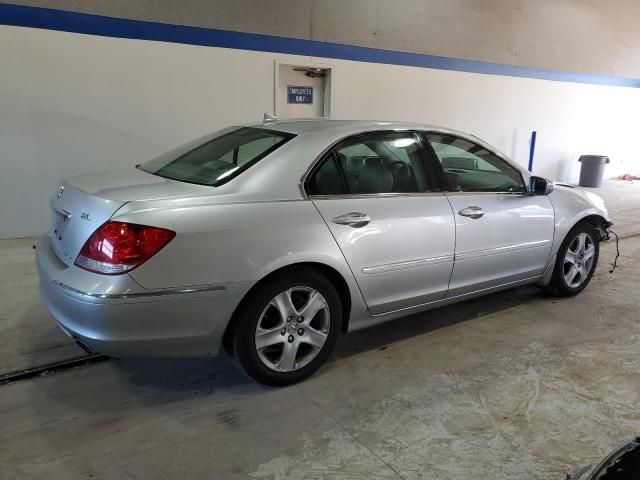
pixel 472 212
pixel 353 219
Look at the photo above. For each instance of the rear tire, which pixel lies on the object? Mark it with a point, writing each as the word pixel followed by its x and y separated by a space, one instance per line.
pixel 576 261
pixel 288 328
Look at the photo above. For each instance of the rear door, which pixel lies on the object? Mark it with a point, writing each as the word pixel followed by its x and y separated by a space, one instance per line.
pixel 383 204
pixel 503 234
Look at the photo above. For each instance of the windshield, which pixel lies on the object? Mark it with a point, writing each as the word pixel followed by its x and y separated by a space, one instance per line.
pixel 216 159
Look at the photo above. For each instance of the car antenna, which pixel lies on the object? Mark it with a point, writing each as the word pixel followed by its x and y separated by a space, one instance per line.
pixel 269 118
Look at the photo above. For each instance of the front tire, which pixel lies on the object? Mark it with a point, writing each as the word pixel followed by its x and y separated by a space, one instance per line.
pixel 576 261
pixel 288 328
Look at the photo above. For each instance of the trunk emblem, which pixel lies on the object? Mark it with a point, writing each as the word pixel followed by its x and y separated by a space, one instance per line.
pixel 60 191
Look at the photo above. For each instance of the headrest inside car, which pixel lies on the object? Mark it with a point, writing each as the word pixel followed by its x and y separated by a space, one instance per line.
pixel 373 162
pixel 465 163
pixel 375 179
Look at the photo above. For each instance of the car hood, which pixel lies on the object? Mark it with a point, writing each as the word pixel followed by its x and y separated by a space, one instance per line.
pixel 131 184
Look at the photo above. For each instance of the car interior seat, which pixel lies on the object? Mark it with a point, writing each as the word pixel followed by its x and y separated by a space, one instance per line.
pixel 375 179
pixel 401 177
pixel 328 181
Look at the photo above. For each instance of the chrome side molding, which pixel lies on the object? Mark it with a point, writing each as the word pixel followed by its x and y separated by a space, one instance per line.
pixel 157 293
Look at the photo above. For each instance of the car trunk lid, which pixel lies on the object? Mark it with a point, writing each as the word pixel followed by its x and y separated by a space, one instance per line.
pixel 83 203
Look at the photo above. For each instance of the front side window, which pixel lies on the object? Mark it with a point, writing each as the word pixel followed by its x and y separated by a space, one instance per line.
pixel 218 158
pixel 469 167
pixel 386 162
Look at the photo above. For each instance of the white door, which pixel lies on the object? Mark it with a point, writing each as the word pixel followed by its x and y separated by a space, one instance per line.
pixel 503 234
pixel 389 217
pixel 300 92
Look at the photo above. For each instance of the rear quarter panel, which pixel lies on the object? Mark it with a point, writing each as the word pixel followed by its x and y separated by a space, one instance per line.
pixel 237 242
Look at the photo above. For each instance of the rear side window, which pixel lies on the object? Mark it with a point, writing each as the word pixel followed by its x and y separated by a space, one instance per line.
pixel 375 163
pixel 217 159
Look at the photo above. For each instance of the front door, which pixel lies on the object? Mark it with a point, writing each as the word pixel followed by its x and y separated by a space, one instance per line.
pixel 384 207
pixel 503 234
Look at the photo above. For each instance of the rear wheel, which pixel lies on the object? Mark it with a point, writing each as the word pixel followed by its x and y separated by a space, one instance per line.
pixel 288 328
pixel 576 261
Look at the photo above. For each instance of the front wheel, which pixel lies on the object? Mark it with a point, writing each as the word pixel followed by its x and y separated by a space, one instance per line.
pixel 288 328
pixel 576 261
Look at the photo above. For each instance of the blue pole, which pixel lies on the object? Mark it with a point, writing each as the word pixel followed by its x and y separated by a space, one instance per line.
pixel 532 148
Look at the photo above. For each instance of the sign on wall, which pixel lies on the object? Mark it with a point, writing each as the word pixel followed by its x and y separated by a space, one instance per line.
pixel 298 94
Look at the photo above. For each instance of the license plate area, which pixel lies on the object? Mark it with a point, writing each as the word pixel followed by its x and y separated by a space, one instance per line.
pixel 60 220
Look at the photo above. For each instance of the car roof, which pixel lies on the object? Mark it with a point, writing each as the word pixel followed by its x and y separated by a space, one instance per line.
pixel 305 125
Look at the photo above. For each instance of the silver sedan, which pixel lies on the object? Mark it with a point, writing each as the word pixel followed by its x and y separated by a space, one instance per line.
pixel 269 240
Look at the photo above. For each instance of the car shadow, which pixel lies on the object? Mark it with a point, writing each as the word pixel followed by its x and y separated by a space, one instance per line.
pixel 186 375
pixel 214 374
pixel 118 384
pixel 385 334
pixel 209 375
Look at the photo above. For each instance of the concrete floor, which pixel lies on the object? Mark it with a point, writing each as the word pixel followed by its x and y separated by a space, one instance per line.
pixel 515 385
pixel 28 335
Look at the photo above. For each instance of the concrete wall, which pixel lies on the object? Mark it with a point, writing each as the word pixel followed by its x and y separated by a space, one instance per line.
pixel 73 103
pixel 585 36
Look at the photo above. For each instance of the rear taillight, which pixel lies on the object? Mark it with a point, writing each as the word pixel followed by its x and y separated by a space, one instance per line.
pixel 118 247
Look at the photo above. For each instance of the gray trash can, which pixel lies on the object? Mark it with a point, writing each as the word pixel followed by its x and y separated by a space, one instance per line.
pixel 592 170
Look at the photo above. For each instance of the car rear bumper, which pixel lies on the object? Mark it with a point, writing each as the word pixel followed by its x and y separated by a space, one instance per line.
pixel 125 320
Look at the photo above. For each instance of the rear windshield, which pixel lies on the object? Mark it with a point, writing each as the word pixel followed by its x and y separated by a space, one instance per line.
pixel 216 159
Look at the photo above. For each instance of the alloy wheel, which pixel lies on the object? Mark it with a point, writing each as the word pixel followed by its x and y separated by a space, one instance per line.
pixel 292 329
pixel 578 260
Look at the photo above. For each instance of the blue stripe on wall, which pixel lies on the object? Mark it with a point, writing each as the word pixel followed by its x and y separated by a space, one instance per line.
pixel 34 17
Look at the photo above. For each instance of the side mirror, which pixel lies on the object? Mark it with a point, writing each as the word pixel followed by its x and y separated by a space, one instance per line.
pixel 540 186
